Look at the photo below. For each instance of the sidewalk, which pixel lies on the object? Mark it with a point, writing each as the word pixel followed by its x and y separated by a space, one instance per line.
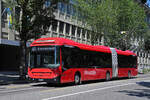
pixel 11 77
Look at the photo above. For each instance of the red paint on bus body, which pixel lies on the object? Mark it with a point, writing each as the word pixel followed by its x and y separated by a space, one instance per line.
pixel 86 73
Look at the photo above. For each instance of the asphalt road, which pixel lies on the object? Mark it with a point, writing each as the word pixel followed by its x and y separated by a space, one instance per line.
pixel 120 89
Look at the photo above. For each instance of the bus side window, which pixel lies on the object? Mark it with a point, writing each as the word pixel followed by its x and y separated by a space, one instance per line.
pixel 68 61
pixel 66 56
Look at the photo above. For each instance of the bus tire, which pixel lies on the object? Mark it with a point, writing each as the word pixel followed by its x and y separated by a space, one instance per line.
pixel 129 75
pixel 77 79
pixel 107 76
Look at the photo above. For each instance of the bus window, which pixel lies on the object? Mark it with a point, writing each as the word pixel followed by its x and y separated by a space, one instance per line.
pixel 44 57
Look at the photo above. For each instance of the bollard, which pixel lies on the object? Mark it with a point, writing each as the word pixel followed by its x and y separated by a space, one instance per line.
pixel 22 75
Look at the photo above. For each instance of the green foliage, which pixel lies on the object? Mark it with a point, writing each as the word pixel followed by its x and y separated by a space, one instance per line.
pixel 109 18
pixel 35 18
pixel 147 41
pixel 100 16
pixel 146 70
pixel 9 3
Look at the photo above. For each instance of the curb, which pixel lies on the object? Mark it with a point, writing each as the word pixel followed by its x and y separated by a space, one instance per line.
pixel 2 82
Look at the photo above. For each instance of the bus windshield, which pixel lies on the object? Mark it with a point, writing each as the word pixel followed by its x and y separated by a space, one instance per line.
pixel 44 57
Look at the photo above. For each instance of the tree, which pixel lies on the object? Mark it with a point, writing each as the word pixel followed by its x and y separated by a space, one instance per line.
pixel 35 17
pixel 143 1
pixel 147 41
pixel 111 18
pixel 99 15
pixel 131 19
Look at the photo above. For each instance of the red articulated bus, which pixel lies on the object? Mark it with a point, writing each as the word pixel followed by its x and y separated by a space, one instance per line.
pixel 60 60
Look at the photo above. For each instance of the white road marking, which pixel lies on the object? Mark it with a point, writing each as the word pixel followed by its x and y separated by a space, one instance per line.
pixel 67 95
pixel 135 80
pixel 96 84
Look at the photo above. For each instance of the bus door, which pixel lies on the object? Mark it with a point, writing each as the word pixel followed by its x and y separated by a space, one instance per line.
pixel 114 62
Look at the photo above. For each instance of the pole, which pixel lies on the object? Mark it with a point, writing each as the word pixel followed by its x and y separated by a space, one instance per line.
pixel 0 19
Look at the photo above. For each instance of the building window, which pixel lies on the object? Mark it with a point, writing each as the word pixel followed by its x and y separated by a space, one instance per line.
pixel 67 28
pixel 47 3
pixel 78 32
pixel 83 33
pixel 88 34
pixel 62 7
pixel 73 30
pixel 74 11
pixel 54 25
pixel 4 35
pixel 61 27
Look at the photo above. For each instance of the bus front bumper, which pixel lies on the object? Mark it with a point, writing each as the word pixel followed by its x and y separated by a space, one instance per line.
pixel 54 80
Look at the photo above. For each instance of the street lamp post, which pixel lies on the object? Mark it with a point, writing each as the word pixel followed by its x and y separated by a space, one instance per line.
pixel 0 19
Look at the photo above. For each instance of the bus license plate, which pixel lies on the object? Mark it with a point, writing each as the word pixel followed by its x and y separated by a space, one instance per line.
pixel 41 79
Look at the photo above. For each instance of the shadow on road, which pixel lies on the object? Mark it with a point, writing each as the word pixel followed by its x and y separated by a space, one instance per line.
pixel 145 84
pixel 66 84
pixel 141 93
pixel 11 77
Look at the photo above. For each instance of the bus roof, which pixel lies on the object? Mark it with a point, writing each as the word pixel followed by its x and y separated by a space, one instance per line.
pixel 63 41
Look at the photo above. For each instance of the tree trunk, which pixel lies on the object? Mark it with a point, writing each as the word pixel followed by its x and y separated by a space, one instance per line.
pixel 23 60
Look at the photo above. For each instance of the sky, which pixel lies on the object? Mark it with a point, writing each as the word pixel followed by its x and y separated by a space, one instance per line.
pixel 148 3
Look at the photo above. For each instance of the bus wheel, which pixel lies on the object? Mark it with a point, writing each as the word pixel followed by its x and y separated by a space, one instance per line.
pixel 77 79
pixel 107 76
pixel 129 74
